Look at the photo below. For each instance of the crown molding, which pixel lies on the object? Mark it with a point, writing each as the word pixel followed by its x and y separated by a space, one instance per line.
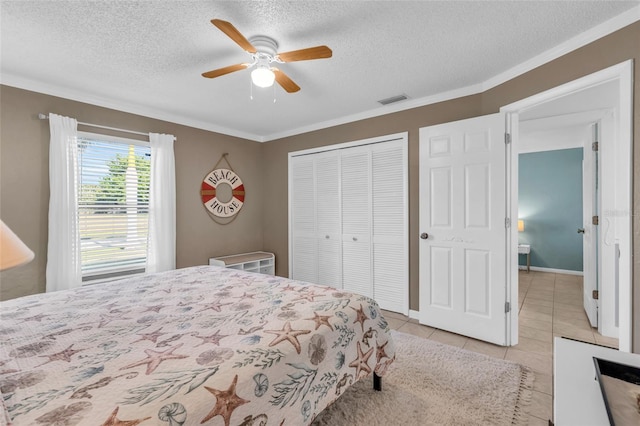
pixel 612 25
pixel 595 33
pixel 80 96
pixel 383 110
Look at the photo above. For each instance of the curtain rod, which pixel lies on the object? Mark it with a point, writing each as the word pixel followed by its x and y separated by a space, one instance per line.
pixel 42 116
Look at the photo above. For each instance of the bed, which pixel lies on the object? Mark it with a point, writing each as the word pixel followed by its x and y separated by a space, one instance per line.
pixel 200 345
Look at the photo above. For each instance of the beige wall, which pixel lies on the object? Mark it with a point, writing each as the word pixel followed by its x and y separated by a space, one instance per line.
pixel 24 182
pixel 263 221
pixel 615 48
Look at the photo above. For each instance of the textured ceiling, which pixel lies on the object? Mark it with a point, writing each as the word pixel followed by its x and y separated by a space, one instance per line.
pixel 147 57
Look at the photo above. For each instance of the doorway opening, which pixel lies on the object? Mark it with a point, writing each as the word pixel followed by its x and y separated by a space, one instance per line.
pixel 603 97
pixel 558 208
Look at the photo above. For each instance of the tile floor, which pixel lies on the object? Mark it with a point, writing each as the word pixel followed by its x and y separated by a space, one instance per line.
pixel 550 305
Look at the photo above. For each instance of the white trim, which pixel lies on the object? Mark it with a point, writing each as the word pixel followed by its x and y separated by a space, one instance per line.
pixel 553 270
pixel 383 110
pixel 109 138
pixel 622 212
pixel 119 105
pixel 595 33
pixel 414 314
pixel 613 72
pixel 614 24
pixel 351 144
pixel 512 128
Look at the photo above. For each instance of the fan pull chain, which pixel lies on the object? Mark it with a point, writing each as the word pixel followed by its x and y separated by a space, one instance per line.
pixel 274 93
pixel 250 90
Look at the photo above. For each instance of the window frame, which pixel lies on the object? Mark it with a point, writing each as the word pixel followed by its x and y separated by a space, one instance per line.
pixel 113 273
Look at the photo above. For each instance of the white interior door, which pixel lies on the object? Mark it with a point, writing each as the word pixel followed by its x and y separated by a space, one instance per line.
pixel 463 215
pixel 590 231
pixel 611 295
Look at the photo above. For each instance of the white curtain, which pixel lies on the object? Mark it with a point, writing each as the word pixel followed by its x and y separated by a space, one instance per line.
pixel 161 252
pixel 63 251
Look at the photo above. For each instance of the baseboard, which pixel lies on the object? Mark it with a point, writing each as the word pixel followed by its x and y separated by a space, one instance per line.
pixel 555 271
pixel 414 314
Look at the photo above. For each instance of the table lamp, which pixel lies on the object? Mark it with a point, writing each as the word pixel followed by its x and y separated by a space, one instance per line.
pixel 13 252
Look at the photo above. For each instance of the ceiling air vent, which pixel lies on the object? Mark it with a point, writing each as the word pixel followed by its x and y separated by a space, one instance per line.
pixel 393 99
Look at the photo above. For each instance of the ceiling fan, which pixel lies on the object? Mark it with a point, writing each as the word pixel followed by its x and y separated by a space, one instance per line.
pixel 264 52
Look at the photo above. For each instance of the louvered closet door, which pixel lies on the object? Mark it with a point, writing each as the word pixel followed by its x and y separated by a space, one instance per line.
pixel 327 172
pixel 304 253
pixel 389 226
pixel 356 220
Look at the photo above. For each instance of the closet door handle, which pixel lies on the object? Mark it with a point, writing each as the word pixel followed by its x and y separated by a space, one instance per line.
pixel 355 239
pixel 424 235
pixel 326 236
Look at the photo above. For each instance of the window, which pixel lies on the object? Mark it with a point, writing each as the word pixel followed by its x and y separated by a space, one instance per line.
pixel 113 205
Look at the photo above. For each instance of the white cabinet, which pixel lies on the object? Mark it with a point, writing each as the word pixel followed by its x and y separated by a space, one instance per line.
pixel 257 261
pixel 348 224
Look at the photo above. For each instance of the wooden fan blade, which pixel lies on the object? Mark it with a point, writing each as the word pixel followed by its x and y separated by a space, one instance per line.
pixel 234 34
pixel 225 70
pixel 284 81
pixel 318 52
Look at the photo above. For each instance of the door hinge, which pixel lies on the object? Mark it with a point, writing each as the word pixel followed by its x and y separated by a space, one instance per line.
pixel 507 222
pixel 507 138
pixel 594 146
pixel 595 220
pixel 595 294
pixel 507 307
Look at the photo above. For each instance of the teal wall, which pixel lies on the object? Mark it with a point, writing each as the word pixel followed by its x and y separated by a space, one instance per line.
pixel 550 203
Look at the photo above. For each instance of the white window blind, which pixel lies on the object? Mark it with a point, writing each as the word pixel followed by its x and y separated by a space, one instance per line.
pixel 113 205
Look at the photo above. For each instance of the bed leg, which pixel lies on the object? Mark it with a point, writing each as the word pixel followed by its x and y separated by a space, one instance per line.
pixel 377 382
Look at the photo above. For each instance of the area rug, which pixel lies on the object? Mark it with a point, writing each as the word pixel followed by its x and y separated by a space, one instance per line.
pixel 436 384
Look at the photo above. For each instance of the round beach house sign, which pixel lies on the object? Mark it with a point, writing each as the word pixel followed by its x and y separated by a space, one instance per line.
pixel 222 193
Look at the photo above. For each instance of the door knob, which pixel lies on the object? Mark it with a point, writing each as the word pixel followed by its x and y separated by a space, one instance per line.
pixel 424 235
pixel 580 230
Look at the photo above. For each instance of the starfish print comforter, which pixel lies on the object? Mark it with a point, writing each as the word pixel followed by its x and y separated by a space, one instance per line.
pixel 201 345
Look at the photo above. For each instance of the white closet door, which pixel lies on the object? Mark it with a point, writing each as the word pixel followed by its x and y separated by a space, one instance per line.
pixel 389 226
pixel 304 253
pixel 356 220
pixel 349 218
pixel 329 229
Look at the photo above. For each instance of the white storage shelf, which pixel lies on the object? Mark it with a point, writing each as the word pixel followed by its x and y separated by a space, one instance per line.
pixel 258 261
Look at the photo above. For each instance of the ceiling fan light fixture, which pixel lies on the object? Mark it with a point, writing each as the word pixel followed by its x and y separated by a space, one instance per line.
pixel 262 76
pixel 264 51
